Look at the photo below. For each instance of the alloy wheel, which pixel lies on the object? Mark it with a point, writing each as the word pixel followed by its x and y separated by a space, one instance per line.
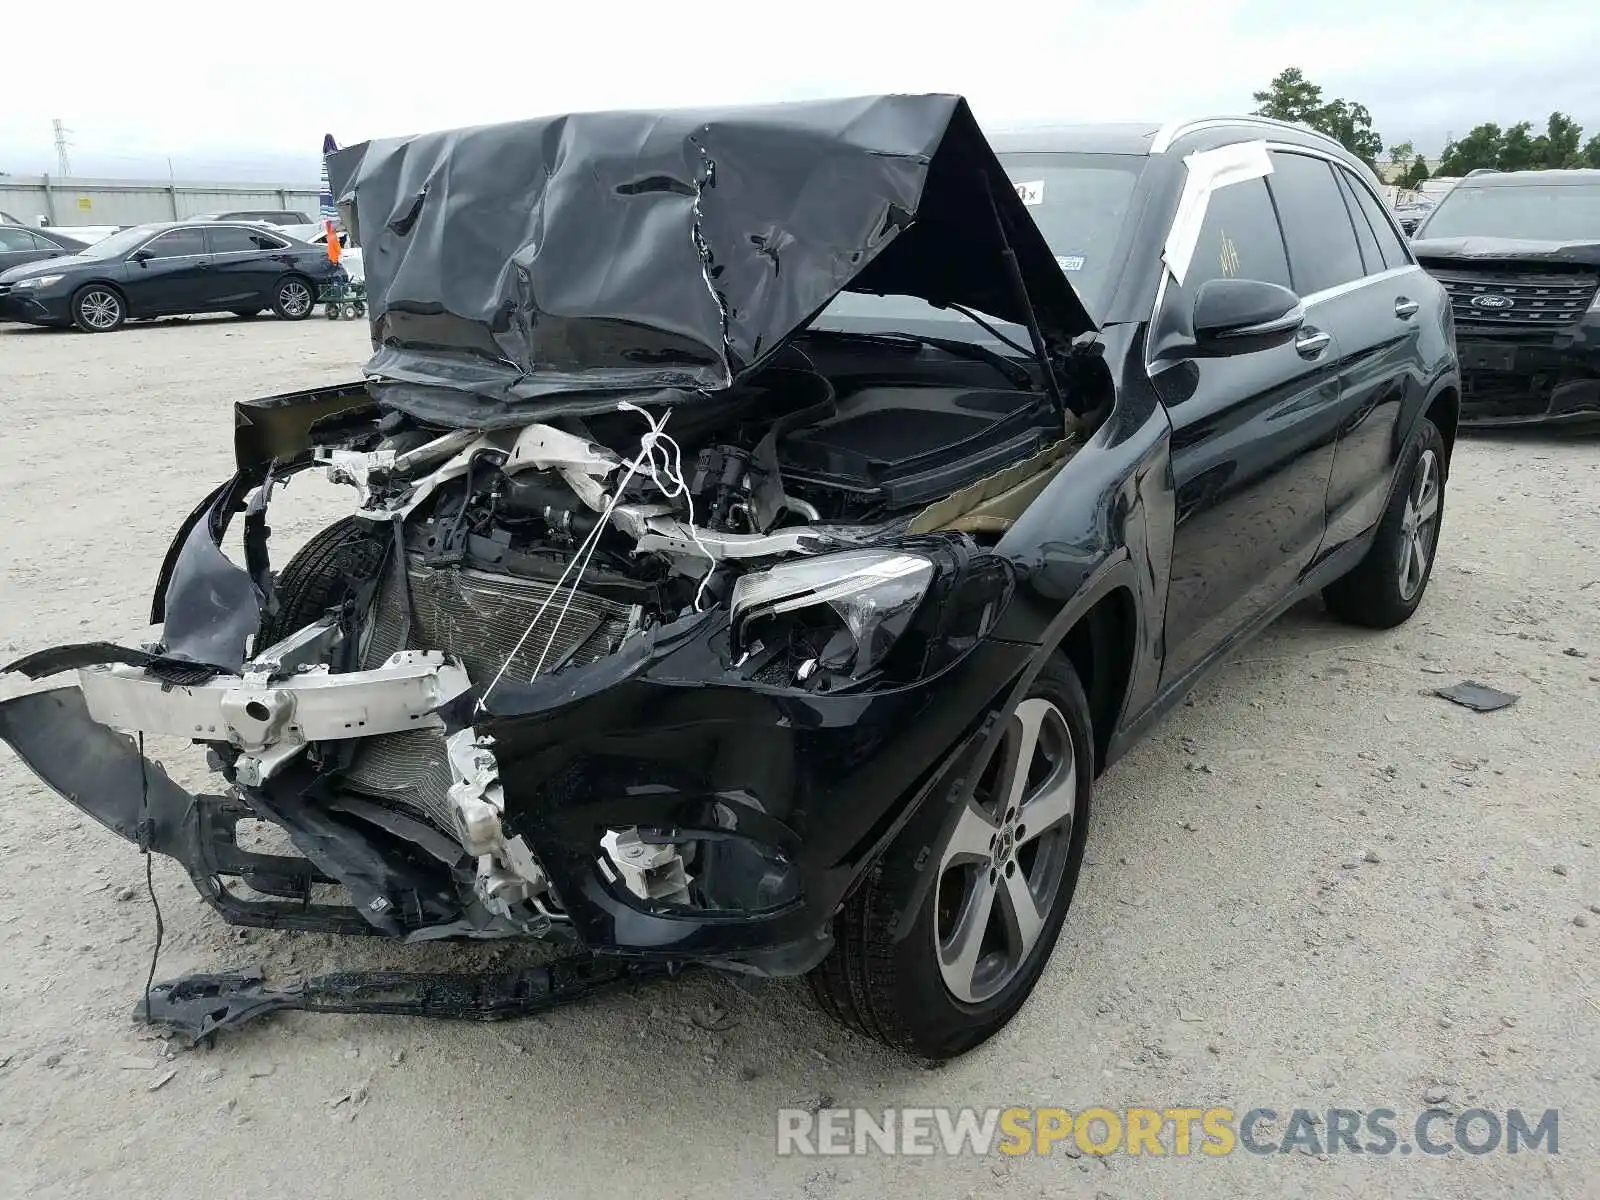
pixel 294 298
pixel 1419 524
pixel 1002 869
pixel 100 309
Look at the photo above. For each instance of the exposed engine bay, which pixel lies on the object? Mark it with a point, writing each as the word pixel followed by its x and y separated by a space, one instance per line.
pixel 635 518
pixel 796 505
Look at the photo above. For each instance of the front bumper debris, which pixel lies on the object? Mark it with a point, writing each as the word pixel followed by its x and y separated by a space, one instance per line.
pixel 201 1005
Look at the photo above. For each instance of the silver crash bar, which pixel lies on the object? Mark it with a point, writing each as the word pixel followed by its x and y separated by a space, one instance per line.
pixel 273 719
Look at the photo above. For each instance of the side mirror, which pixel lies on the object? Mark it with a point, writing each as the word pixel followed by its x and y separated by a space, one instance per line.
pixel 1240 316
pixel 143 256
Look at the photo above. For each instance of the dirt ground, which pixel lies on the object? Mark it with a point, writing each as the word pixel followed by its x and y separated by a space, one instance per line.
pixel 1316 885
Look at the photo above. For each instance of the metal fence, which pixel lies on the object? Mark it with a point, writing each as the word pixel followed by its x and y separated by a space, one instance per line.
pixel 68 201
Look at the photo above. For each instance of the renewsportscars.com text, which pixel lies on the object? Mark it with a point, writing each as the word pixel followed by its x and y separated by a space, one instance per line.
pixel 1212 1132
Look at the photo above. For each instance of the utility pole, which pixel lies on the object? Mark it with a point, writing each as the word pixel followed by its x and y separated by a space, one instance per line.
pixel 61 146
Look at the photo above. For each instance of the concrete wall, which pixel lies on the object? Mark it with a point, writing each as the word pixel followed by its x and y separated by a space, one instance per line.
pixel 70 202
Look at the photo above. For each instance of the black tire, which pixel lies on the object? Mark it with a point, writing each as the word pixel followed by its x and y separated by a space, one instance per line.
pixel 321 576
pixel 331 311
pixel 1384 588
pixel 98 308
pixel 244 314
pixel 294 298
pixel 893 988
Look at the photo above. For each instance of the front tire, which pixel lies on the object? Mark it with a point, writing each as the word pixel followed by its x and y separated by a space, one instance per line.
pixel 97 308
pixel 995 885
pixel 323 575
pixel 1385 587
pixel 294 299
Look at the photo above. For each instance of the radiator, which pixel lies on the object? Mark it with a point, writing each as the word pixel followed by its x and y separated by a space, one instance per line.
pixel 477 617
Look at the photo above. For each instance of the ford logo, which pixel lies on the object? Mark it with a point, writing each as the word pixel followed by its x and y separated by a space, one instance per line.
pixel 1492 300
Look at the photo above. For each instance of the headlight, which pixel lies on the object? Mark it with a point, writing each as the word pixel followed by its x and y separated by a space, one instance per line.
pixel 38 281
pixel 841 613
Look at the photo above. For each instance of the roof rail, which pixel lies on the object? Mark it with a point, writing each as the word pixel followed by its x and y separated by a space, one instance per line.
pixel 1173 130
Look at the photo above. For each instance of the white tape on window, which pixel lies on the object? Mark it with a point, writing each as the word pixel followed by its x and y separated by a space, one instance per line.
pixel 1208 170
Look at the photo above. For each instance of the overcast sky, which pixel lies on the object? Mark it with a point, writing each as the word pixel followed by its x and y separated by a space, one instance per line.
pixel 248 94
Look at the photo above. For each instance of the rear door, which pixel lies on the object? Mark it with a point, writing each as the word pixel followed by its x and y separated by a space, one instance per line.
pixel 1252 441
pixel 1386 370
pixel 246 263
pixel 170 273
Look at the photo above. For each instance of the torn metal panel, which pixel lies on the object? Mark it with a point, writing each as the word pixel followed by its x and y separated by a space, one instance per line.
pixel 628 251
pixel 95 768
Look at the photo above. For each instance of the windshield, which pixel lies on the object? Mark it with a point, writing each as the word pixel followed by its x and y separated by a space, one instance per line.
pixel 1557 212
pixel 1079 202
pixel 119 243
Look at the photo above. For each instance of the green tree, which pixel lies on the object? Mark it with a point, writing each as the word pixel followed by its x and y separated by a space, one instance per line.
pixel 1401 154
pixel 1415 174
pixel 1591 152
pixel 1557 146
pixel 1292 97
pixel 1517 149
pixel 1480 148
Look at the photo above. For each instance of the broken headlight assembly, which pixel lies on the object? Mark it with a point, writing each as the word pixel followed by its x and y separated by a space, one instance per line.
pixel 833 618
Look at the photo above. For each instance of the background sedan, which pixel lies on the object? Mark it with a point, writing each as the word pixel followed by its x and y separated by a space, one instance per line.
pixel 169 269
pixel 20 245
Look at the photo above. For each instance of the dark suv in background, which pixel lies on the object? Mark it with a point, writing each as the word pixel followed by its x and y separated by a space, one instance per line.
pixel 1519 253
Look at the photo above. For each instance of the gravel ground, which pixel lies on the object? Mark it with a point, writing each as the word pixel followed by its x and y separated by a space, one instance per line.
pixel 1316 885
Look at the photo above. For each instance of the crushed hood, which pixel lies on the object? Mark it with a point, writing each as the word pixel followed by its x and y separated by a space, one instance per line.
pixel 530 263
pixel 1512 250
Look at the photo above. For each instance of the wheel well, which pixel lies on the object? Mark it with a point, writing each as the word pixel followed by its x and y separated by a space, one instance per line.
pixel 1100 648
pixel 102 283
pixel 1445 411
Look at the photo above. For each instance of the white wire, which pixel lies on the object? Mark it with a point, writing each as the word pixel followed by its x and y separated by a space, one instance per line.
pixel 670 465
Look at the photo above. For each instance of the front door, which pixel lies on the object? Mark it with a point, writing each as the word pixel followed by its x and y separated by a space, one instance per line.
pixel 170 274
pixel 1252 442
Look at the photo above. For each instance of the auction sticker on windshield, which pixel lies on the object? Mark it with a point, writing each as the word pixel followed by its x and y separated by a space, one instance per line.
pixel 1031 193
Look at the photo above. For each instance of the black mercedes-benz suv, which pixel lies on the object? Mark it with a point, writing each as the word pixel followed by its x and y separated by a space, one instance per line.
pixel 1519 253
pixel 766 524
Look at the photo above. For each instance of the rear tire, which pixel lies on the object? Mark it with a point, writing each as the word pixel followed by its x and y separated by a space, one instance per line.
pixel 295 298
pixel 98 308
pixel 1386 586
pixel 966 965
pixel 321 576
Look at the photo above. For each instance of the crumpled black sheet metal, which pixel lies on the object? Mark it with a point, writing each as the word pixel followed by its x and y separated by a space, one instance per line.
pixel 200 1005
pixel 622 251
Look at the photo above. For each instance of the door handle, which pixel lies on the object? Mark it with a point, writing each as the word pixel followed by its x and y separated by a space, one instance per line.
pixel 1311 342
pixel 1406 309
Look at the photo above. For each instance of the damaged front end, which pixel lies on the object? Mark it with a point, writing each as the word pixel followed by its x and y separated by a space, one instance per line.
pixel 654 661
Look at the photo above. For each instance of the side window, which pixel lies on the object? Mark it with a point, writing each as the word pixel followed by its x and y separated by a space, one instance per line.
pixel 1239 239
pixel 177 243
pixel 1371 258
pixel 232 239
pixel 1390 244
pixel 1316 225
pixel 14 237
